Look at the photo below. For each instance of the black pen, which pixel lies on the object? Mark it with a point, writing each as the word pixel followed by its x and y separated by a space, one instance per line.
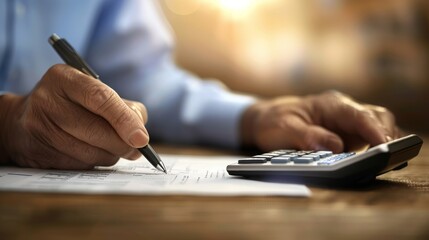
pixel 72 58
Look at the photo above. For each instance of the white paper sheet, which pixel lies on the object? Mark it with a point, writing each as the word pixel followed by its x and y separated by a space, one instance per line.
pixel 187 175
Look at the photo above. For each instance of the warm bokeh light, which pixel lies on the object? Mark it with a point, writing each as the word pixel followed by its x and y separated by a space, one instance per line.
pixel 376 51
pixel 234 8
pixel 237 5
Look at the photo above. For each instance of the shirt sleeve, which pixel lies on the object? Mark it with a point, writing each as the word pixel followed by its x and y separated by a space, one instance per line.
pixel 131 50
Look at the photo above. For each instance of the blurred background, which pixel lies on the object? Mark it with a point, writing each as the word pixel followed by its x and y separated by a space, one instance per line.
pixel 375 51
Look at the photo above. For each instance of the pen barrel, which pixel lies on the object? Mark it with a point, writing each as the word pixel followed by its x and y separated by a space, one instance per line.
pixel 70 56
pixel 150 154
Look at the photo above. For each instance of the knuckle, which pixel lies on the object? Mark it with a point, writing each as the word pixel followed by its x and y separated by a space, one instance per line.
pixel 339 94
pixel 56 70
pixel 122 119
pixel 384 111
pixel 143 111
pixel 62 71
pixel 381 109
pixel 140 110
pixel 333 94
pixel 98 97
pixel 341 100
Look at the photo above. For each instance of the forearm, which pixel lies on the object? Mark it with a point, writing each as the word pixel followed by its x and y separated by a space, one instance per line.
pixel 196 112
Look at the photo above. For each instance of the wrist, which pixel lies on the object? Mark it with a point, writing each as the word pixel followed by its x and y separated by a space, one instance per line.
pixel 8 104
pixel 248 125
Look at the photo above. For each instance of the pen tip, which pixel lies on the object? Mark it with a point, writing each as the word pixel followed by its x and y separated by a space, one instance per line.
pixel 164 169
pixel 161 167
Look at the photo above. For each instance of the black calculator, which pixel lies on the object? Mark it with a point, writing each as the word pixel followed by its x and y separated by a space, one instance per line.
pixel 327 167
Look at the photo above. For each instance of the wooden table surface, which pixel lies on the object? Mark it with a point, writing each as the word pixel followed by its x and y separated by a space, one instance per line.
pixel 396 206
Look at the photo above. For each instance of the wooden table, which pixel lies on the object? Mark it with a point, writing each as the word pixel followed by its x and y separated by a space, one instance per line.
pixel 395 207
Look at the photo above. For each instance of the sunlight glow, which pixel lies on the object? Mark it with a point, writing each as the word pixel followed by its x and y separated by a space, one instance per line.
pixel 237 6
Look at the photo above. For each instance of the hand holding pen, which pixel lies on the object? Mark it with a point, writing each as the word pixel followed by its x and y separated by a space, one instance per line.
pixel 71 120
pixel 71 57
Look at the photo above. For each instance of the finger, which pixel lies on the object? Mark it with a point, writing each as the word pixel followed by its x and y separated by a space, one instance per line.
pixel 400 132
pixel 353 143
pixel 341 114
pixel 56 161
pixel 90 128
pixel 103 101
pixel 76 149
pixel 387 120
pixel 133 155
pixel 370 128
pixel 138 108
pixel 46 157
pixel 310 137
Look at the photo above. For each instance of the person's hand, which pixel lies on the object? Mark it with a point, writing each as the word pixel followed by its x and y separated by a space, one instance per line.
pixel 70 121
pixel 329 121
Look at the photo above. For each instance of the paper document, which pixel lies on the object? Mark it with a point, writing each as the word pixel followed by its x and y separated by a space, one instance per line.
pixel 187 175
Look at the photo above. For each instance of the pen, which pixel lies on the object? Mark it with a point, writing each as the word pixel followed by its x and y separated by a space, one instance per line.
pixel 72 58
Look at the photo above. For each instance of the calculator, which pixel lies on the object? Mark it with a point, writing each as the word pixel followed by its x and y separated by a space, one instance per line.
pixel 321 167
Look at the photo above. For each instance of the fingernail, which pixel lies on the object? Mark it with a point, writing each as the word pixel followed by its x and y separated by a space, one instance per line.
pixel 389 138
pixel 138 139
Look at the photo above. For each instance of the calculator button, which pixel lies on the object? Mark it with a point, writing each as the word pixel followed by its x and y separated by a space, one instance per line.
pixel 252 160
pixel 314 156
pixel 303 160
pixel 290 156
pixel 334 158
pixel 280 160
pixel 324 154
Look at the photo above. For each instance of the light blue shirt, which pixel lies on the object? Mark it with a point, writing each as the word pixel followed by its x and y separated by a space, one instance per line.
pixel 128 43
